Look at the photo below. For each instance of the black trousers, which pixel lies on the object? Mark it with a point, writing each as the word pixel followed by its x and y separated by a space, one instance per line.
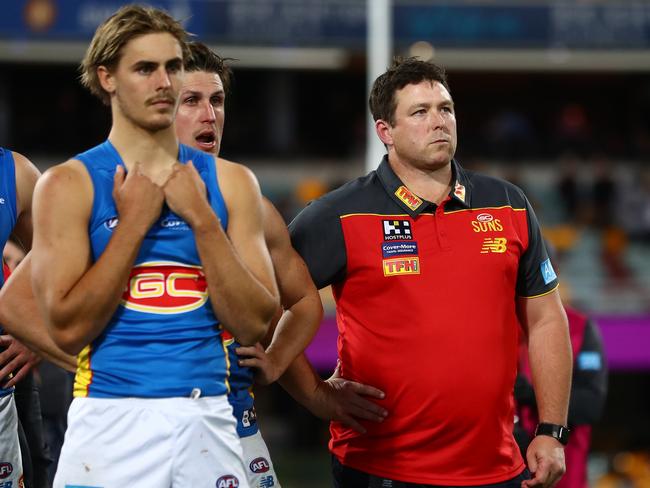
pixel 35 454
pixel 345 477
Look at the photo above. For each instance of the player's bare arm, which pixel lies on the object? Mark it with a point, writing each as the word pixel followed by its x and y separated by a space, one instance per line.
pixel 78 297
pixel 549 350
pixel 335 398
pixel 20 317
pixel 303 310
pixel 236 264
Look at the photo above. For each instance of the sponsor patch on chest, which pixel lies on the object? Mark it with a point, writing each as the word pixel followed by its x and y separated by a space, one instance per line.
pixel 393 249
pixel 401 266
pixel 397 230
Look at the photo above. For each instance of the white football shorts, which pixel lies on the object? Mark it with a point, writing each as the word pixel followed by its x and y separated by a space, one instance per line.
pixel 151 443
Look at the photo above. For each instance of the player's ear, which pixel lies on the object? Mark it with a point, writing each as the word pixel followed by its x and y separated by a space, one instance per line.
pixel 106 79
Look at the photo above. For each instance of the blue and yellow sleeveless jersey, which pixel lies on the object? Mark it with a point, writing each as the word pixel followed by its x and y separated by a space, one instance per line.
pixel 8 212
pixel 164 339
pixel 241 390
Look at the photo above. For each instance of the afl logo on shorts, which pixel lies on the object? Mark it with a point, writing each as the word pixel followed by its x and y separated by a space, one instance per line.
pixel 165 288
pixel 228 481
pixel 5 470
pixel 259 465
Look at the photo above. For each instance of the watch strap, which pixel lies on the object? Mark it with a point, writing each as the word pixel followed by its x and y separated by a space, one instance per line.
pixel 559 432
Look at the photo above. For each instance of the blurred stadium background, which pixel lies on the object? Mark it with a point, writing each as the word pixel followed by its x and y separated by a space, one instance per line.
pixel 553 95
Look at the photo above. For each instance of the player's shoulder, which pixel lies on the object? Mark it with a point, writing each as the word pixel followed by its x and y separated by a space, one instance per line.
pixel 235 173
pixel 63 177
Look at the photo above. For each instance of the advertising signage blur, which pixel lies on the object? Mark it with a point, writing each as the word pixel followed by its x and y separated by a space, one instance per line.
pixel 624 24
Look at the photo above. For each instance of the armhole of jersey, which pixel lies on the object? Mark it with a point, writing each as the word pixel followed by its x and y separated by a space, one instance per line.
pixel 91 174
pixel 213 174
pixel 10 173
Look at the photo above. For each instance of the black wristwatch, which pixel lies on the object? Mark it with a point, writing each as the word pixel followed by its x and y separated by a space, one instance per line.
pixel 559 432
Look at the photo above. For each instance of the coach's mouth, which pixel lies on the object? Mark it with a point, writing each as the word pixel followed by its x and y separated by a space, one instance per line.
pixel 206 140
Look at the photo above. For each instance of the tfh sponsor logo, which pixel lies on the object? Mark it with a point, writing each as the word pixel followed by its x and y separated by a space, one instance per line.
pixel 497 245
pixel 412 201
pixel 165 288
pixel 398 266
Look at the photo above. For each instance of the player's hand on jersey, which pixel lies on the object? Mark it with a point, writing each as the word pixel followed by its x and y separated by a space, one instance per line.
pixel 138 200
pixel 185 193
pixel 266 372
pixel 14 358
pixel 347 402
pixel 545 458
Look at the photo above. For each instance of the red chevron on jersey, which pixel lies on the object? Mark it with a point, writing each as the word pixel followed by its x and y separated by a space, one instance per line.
pixel 165 288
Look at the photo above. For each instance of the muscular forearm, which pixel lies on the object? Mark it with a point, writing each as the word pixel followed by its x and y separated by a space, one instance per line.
pixel 77 317
pixel 294 331
pixel 551 360
pixel 241 302
pixel 301 381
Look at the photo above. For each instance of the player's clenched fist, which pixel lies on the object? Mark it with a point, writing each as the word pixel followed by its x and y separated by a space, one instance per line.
pixel 138 199
pixel 185 194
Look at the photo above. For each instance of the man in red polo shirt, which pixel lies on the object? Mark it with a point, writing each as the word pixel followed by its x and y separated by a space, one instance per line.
pixel 434 269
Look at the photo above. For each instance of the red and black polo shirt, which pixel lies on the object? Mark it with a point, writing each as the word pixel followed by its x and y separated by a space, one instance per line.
pixel 425 305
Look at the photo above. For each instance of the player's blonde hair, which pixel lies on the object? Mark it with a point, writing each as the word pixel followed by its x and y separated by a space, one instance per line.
pixel 114 33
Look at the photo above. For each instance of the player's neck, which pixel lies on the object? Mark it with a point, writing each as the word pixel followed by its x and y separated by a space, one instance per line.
pixel 154 150
pixel 433 184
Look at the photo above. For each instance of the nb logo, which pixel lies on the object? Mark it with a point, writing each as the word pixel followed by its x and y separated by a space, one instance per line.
pixel 496 245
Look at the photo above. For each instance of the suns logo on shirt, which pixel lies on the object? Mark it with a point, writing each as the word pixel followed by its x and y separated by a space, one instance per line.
pixel 165 288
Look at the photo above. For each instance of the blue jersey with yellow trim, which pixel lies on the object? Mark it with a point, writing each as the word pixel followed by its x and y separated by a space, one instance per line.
pixel 8 213
pixel 164 339
pixel 241 390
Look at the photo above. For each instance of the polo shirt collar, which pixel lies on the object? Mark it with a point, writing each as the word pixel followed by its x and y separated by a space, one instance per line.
pixel 414 205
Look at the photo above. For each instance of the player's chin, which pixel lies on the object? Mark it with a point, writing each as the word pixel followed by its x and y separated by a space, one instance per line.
pixel 160 122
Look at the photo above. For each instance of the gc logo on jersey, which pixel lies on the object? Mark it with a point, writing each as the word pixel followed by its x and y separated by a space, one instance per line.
pixel 397 230
pixel 165 288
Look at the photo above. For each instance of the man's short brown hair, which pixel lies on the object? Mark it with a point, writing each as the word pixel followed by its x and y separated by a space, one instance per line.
pixel 402 72
pixel 202 58
pixel 111 36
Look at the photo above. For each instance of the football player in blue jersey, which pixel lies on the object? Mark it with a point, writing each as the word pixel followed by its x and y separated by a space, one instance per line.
pixel 17 179
pixel 144 251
